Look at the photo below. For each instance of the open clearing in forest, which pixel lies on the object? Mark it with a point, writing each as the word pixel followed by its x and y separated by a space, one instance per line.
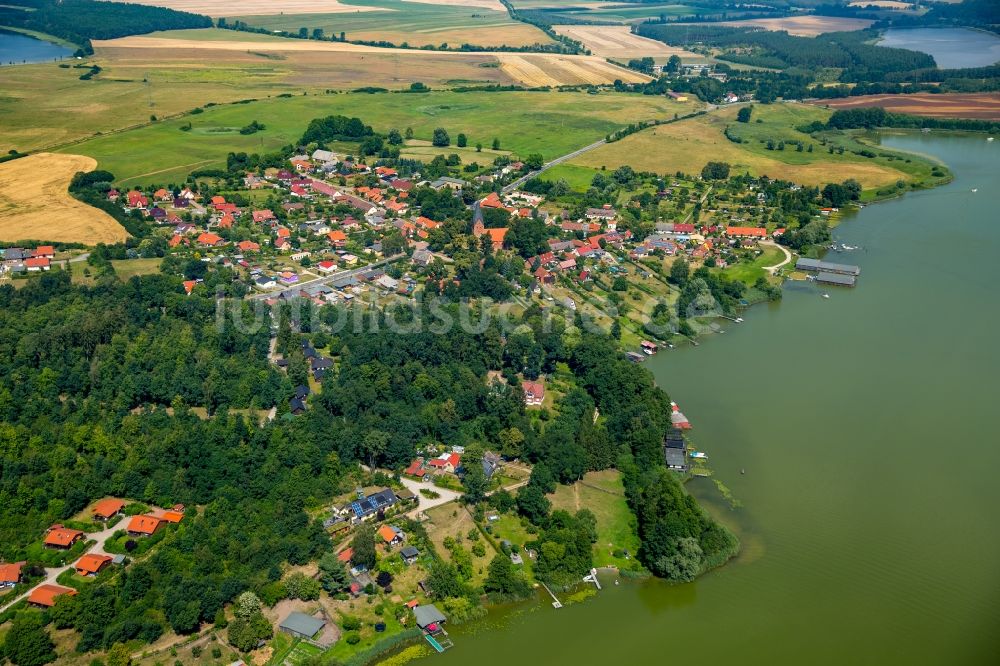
pixel 689 144
pixel 35 203
pixel 617 41
pixel 982 106
pixel 802 26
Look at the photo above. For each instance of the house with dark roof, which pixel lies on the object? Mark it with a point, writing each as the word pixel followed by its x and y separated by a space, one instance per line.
pixel 371 505
pixel 675 451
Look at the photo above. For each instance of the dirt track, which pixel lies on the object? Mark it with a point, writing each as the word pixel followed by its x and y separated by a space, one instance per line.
pixel 982 106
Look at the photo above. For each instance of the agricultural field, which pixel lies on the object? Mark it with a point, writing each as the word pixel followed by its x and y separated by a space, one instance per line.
pixel 215 8
pixel 412 22
pixel 165 74
pixel 35 203
pixel 688 145
pixel 617 41
pixel 982 106
pixel 603 494
pixel 550 123
pixel 803 26
pixel 611 11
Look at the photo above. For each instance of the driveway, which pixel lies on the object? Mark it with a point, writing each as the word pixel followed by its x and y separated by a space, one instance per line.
pixel 52 574
pixel 425 503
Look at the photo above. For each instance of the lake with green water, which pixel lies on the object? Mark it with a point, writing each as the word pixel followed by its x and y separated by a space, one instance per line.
pixel 866 425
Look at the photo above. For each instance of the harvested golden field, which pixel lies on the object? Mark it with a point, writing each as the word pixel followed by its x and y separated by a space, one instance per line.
pixel 884 4
pixel 502 34
pixel 495 5
pixel 802 26
pixel 535 70
pixel 688 145
pixel 982 106
pixel 617 41
pixel 255 7
pixel 35 203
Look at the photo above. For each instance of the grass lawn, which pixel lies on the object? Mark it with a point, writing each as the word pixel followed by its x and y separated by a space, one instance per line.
pixel 550 123
pixel 415 23
pixel 689 144
pixel 125 268
pixel 302 652
pixel 577 177
pixel 603 494
pixel 750 272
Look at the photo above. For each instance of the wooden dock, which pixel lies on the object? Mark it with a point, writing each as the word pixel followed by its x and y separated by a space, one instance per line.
pixel 555 600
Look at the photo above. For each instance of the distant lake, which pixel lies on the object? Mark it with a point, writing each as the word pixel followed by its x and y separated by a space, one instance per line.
pixel 952 48
pixel 16 49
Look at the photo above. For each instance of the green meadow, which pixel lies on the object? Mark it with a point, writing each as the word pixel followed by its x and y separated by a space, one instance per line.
pixel 550 123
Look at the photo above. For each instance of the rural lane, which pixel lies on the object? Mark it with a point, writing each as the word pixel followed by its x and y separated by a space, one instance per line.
pixel 328 278
pixel 548 165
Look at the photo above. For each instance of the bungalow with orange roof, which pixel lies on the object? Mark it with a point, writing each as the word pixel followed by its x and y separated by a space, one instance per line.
pixel 36 264
pixel 260 216
pixel 143 525
pixel 46 251
pixel 162 195
pixel 226 222
pixel 326 266
pixel 174 515
pixel 416 469
pixel 45 595
pixel 92 564
pixel 746 232
pixel 209 239
pixel 390 535
pixel 62 537
pixel 345 555
pixel 189 286
pixel 217 200
pixel 337 238
pixel 10 574
pixel 248 246
pixel 108 508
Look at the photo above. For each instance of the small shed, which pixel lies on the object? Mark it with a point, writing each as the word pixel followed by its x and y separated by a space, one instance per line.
pixel 301 625
pixel 428 616
pixel 410 554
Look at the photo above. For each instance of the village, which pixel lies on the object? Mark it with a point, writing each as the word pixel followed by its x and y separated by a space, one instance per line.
pixel 634 253
pixel 334 230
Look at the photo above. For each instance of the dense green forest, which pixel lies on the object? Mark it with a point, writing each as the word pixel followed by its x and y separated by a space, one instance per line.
pixel 79 21
pixel 88 374
pixel 859 60
pixel 876 116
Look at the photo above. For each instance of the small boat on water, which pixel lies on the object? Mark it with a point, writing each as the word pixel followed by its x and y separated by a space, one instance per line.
pixel 989 138
pixel 648 348
pixel 699 455
pixel 826 295
pixel 975 189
